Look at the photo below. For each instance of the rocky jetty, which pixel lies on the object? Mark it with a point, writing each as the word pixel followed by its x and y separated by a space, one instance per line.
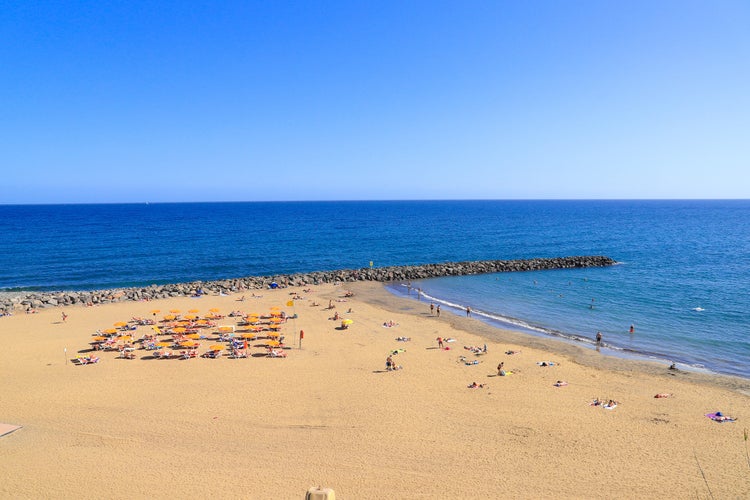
pixel 31 301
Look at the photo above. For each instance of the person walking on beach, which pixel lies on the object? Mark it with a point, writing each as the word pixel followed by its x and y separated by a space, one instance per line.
pixel 389 363
pixel 64 316
pixel 468 311
pixel 598 338
pixel 438 311
pixel 432 308
pixel 440 342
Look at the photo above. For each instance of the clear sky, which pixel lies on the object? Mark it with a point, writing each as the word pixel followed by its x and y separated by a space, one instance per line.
pixel 129 101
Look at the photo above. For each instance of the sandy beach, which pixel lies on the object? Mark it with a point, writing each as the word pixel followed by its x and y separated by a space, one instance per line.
pixel 330 413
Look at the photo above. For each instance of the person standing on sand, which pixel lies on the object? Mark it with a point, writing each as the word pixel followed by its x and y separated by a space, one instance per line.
pixel 438 311
pixel 440 342
pixel 468 311
pixel 432 308
pixel 598 338
pixel 64 316
pixel 500 367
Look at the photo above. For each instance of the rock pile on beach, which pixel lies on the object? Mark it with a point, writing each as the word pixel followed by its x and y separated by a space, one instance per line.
pixel 33 301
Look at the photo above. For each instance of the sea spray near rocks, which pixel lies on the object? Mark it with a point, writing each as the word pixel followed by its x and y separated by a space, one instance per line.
pixel 30 301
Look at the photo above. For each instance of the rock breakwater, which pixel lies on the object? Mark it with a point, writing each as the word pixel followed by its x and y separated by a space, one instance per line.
pixel 32 301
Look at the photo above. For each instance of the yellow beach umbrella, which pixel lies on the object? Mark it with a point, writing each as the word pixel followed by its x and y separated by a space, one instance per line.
pixel 226 328
pixel 214 310
pixel 176 311
pixel 179 329
pixel 121 323
pixel 193 336
pixel 191 316
pixel 163 344
pixel 273 343
pixel 276 320
pixel 155 311
pixel 217 347
pixel 110 330
pixel 273 334
pixel 193 310
pixel 98 338
pixel 189 343
pixel 169 317
pixel 248 336
pixel 126 338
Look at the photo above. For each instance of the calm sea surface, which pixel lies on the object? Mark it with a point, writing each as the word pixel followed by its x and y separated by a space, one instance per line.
pixel 683 281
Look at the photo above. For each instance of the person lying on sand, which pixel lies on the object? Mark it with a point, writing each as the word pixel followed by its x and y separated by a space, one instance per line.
pixel 474 385
pixel 663 395
pixel 560 383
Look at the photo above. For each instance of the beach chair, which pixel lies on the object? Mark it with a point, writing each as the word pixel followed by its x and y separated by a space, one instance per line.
pixel 85 360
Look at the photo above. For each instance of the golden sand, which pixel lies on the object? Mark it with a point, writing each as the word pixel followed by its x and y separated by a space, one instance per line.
pixel 330 414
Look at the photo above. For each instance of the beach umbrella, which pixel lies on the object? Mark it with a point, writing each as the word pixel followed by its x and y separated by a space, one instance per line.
pixel 176 311
pixel 99 338
pixel 248 336
pixel 273 334
pixel 121 323
pixel 226 328
pixel 155 311
pixel 276 320
pixel 189 343
pixel 217 347
pixel 193 336
pixel 126 338
pixel 169 317
pixel 273 343
pixel 179 329
pixel 191 316
pixel 214 310
pixel 110 330
pixel 193 310
pixel 163 344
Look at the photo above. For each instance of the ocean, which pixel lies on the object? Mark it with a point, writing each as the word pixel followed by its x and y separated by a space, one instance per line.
pixel 683 278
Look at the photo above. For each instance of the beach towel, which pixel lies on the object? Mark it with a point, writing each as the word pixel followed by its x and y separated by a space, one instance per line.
pixel 8 428
pixel 720 417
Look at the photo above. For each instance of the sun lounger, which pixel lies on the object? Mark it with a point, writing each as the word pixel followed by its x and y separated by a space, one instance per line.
pixel 85 360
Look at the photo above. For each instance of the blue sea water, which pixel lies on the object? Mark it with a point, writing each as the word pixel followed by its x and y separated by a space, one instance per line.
pixel 683 280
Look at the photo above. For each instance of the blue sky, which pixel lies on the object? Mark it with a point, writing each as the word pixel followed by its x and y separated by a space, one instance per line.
pixel 328 100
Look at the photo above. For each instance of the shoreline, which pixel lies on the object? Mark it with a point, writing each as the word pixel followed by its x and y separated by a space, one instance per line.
pixel 587 344
pixel 604 360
